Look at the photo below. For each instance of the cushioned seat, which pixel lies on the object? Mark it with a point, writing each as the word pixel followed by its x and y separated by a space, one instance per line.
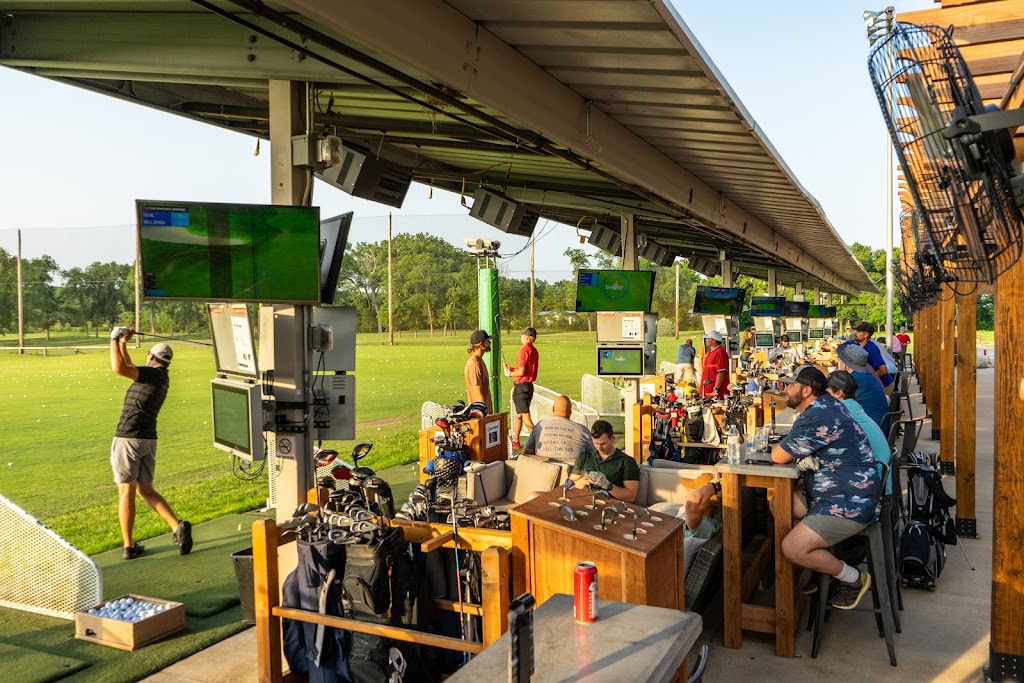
pixel 507 483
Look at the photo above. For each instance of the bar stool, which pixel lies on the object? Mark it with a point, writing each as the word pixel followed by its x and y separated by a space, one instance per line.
pixel 884 607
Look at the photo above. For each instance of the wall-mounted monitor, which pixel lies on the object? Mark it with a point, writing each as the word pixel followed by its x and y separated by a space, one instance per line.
pixel 237 418
pixel 795 336
pixel 333 238
pixel 718 300
pixel 816 333
pixel 231 331
pixel 195 251
pixel 764 339
pixel 766 306
pixel 620 361
pixel 614 290
pixel 795 309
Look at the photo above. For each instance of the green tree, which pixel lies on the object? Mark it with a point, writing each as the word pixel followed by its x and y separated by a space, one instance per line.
pixel 40 293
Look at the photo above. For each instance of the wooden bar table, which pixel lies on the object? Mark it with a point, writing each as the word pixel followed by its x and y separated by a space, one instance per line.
pixel 780 619
pixel 546 548
pixel 627 644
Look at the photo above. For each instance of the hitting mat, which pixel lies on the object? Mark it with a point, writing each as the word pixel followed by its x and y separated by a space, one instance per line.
pixel 44 648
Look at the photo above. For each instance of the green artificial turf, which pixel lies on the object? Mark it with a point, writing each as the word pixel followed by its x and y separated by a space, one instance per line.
pixel 61 412
pixel 43 648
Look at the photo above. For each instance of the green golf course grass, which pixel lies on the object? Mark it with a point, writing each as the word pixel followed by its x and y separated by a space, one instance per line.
pixel 61 412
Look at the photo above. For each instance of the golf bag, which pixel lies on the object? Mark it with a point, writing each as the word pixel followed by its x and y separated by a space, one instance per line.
pixel 318 652
pixel 383 585
pixel 662 447
pixel 929 526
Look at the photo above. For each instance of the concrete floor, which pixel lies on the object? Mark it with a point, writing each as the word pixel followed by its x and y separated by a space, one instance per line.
pixel 945 633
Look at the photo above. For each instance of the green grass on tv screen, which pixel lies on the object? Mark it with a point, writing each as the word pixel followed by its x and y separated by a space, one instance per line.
pixel 614 290
pixel 230 252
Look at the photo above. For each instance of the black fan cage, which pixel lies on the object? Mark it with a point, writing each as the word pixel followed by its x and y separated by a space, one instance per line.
pixel 961 186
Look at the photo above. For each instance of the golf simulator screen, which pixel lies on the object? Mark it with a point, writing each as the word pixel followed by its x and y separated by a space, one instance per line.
pixel 195 251
pixel 816 311
pixel 766 306
pixel 795 309
pixel 816 334
pixel 718 300
pixel 237 418
pixel 620 361
pixel 764 339
pixel 614 290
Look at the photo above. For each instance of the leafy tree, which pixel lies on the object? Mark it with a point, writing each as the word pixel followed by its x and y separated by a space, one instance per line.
pixel 986 312
pixel 40 293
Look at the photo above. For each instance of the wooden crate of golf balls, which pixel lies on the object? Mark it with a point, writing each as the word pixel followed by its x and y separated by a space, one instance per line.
pixel 129 622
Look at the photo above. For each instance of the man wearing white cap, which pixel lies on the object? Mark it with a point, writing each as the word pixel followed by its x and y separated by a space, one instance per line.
pixel 714 374
pixel 133 451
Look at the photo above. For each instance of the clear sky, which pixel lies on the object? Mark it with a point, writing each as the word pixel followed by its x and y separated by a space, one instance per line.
pixel 74 162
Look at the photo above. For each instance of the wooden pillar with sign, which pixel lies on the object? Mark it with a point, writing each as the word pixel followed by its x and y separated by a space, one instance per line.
pixel 1006 649
pixel 966 414
pixel 945 388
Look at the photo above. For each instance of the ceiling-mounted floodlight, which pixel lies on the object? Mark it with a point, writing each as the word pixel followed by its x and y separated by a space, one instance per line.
pixel 657 254
pixel 704 266
pixel 503 213
pixel 603 237
pixel 367 177
pixel 314 152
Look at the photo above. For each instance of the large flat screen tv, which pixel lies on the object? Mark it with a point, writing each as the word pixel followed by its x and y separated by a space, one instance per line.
pixel 620 361
pixel 766 306
pixel 614 290
pixel 718 300
pixel 795 309
pixel 817 311
pixel 333 238
pixel 195 251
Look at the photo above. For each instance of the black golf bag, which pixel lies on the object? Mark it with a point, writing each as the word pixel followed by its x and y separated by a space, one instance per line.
pixel 662 446
pixel 383 585
pixel 929 526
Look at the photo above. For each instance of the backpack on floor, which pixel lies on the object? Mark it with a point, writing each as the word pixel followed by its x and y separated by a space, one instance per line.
pixel 929 526
pixel 662 446
pixel 382 584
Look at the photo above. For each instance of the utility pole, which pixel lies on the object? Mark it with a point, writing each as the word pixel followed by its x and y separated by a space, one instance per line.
pixel 391 327
pixel 677 299
pixel 21 304
pixel 533 241
pixel 138 286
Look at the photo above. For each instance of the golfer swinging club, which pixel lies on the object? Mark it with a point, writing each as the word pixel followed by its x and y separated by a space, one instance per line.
pixel 133 452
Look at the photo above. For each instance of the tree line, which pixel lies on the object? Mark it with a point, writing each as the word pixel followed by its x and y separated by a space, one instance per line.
pixel 434 288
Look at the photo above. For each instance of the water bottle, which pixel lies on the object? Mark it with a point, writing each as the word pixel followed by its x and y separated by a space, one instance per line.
pixel 734 448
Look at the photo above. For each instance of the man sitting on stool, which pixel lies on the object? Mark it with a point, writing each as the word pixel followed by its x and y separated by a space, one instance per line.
pixel 605 467
pixel 831 448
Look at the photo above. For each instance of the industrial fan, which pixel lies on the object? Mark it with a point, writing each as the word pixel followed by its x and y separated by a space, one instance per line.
pixel 956 156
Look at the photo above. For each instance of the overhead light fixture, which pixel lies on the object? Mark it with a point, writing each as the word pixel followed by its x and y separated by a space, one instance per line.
pixel 603 237
pixel 316 152
pixel 656 253
pixel 368 177
pixel 501 212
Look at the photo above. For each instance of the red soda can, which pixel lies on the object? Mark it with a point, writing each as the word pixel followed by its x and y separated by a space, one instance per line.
pixel 585 592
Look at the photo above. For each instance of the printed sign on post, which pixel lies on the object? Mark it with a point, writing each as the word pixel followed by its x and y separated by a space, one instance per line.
pixel 633 327
pixel 243 338
pixel 492 434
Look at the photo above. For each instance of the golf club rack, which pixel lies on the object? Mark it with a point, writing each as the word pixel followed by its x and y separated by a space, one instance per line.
pixel 680 414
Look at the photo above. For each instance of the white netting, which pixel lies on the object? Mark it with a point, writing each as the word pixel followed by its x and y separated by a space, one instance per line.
pixel 430 412
pixel 41 572
pixel 544 400
pixel 601 396
pixel 666 368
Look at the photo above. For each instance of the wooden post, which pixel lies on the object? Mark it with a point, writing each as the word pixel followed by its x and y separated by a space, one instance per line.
pixel 966 429
pixel 21 304
pixel 947 380
pixel 1006 649
pixel 269 668
pixel 391 318
pixel 494 590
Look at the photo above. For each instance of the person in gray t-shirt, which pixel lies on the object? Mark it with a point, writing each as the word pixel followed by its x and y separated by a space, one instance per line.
pixel 558 437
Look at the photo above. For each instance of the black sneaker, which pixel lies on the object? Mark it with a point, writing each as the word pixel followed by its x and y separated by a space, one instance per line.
pixel 848 595
pixel 183 537
pixel 132 551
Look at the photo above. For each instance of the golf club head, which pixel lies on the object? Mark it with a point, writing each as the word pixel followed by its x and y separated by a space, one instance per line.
pixel 305 509
pixel 619 507
pixel 341 472
pixel 361 451
pixel 642 512
pixel 567 513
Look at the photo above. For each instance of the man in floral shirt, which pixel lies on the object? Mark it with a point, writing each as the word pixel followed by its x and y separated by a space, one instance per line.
pixel 832 449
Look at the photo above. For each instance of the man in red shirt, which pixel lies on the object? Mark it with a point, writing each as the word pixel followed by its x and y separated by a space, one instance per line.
pixel 523 375
pixel 714 374
pixel 904 342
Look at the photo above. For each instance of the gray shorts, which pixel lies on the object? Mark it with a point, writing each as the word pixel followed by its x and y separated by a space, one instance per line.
pixel 833 529
pixel 133 460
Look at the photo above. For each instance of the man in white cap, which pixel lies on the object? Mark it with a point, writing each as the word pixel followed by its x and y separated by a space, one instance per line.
pixel 133 452
pixel 714 374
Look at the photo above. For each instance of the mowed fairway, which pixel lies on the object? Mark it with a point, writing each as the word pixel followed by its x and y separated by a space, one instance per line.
pixel 61 412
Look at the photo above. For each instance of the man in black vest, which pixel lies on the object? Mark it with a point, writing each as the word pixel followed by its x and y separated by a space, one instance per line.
pixel 133 451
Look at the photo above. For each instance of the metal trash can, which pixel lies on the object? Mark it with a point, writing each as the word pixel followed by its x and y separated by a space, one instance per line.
pixel 246 584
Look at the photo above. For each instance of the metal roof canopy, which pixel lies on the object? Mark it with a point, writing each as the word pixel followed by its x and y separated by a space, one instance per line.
pixel 582 109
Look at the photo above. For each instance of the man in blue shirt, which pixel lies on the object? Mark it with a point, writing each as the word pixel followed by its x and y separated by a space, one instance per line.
pixel 870 394
pixel 863 333
pixel 843 387
pixel 831 448
pixel 684 361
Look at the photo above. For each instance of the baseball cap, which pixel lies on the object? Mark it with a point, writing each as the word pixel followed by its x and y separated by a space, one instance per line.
pixel 865 326
pixel 807 375
pixel 851 354
pixel 162 352
pixel 530 332
pixel 844 381
pixel 689 341
pixel 713 334
pixel 478 337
